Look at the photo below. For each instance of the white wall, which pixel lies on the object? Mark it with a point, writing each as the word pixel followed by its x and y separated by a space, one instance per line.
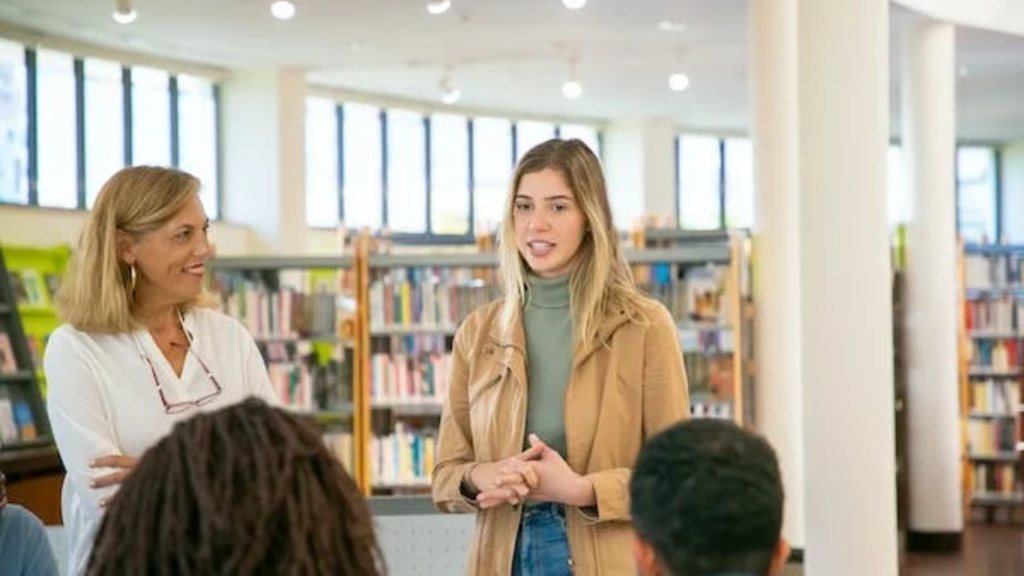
pixel 25 226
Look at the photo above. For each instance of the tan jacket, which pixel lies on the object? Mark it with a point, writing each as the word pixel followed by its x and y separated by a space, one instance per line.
pixel 618 395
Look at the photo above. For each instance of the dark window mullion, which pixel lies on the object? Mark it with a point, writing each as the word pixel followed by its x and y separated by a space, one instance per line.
pixel 126 93
pixel 33 127
pixel 219 149
pixel 721 184
pixel 472 178
pixel 339 112
pixel 429 188
pixel 514 132
pixel 172 87
pixel 80 131
pixel 679 181
pixel 384 168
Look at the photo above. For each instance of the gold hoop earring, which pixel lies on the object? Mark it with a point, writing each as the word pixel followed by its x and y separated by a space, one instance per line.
pixel 132 278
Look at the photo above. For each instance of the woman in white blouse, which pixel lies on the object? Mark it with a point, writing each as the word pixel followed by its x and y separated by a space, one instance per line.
pixel 141 347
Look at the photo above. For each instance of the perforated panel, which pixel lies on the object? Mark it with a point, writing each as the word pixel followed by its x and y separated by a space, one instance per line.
pixel 426 545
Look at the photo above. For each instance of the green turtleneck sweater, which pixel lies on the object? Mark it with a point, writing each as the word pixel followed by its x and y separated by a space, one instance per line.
pixel 547 322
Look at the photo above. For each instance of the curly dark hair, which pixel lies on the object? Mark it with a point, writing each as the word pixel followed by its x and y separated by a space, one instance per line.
pixel 707 495
pixel 246 490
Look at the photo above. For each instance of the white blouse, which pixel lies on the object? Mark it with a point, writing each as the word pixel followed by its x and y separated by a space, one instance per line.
pixel 102 400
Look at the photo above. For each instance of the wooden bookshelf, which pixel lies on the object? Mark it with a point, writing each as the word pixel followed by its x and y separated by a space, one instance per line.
pixel 991 364
pixel 406 308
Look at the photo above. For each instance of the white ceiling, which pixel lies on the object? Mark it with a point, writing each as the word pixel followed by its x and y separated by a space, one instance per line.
pixel 512 55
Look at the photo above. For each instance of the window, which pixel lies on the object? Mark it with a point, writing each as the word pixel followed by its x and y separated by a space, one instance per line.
pixel 699 165
pixel 322 197
pixel 407 172
pixel 449 174
pixel 56 128
pixel 529 134
pixel 492 169
pixel 739 183
pixel 976 193
pixel 197 136
pixel 104 125
pixel 151 117
pixel 363 177
pixel 897 194
pixel 587 134
pixel 13 124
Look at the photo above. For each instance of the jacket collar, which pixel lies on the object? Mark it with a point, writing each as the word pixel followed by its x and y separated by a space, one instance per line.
pixel 517 339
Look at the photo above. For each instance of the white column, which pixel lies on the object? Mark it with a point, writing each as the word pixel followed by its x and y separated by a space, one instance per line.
pixel 640 168
pixel 929 151
pixel 776 246
pixel 263 129
pixel 845 288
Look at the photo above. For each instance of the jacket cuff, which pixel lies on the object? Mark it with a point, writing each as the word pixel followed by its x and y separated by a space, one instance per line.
pixel 611 497
pixel 452 498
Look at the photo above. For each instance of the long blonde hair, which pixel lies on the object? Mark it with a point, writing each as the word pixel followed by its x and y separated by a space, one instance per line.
pixel 96 292
pixel 600 282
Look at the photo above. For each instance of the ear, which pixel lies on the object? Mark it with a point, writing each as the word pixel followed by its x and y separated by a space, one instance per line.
pixel 126 250
pixel 645 557
pixel 782 551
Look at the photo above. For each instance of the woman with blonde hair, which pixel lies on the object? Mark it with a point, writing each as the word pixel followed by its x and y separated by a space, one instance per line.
pixel 554 389
pixel 140 348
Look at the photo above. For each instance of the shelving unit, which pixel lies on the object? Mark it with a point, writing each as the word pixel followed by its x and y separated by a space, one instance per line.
pixel 991 371
pixel 401 312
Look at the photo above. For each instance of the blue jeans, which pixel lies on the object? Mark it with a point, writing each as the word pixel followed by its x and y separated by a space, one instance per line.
pixel 542 545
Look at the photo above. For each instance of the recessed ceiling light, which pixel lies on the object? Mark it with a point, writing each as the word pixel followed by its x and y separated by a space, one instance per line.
pixel 125 16
pixel 678 82
pixel 574 4
pixel 670 26
pixel 282 9
pixel 962 71
pixel 572 89
pixel 437 7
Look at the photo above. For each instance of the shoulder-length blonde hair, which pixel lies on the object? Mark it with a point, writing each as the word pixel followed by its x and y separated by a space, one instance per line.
pixel 601 282
pixel 96 293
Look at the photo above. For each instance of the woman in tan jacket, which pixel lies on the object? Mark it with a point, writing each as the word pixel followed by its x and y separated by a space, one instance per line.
pixel 554 389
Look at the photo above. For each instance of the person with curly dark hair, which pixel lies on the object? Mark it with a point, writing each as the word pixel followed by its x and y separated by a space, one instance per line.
pixel 706 498
pixel 246 490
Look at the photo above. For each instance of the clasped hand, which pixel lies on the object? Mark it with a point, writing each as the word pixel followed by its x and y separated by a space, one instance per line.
pixel 538 473
pixel 121 465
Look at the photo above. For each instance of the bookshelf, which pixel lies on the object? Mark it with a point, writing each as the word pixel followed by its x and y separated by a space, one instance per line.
pixel 302 312
pixel 707 288
pixel 991 371
pixel 23 422
pixel 396 315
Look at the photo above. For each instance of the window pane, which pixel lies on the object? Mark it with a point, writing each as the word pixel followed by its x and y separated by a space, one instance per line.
pixel 739 183
pixel 322 194
pixel 363 191
pixel 13 124
pixel 151 117
pixel 449 174
pixel 104 125
pixel 197 136
pixel 58 162
pixel 529 134
pixel 898 196
pixel 407 172
pixel 976 193
pixel 492 169
pixel 699 164
pixel 587 134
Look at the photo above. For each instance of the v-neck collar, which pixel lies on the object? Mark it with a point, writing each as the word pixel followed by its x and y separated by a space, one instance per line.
pixel 149 347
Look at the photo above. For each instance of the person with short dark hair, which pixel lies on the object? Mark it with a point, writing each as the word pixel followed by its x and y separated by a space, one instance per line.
pixel 706 500
pixel 24 547
pixel 248 490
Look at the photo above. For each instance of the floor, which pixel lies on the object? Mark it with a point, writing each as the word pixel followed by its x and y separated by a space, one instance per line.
pixel 988 551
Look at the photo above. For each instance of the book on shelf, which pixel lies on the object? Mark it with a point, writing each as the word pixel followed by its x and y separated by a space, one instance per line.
pixel 992 396
pixel 992 439
pixel 410 369
pixel 405 457
pixel 8 363
pixel 996 479
pixel 340 444
pixel 431 297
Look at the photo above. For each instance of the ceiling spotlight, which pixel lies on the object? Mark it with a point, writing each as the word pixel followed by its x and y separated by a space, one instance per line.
pixel 670 26
pixel 574 4
pixel 437 7
pixel 282 9
pixel 450 93
pixel 678 82
pixel 572 89
pixel 124 12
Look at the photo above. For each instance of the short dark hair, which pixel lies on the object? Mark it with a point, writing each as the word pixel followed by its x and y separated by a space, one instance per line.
pixel 248 489
pixel 707 495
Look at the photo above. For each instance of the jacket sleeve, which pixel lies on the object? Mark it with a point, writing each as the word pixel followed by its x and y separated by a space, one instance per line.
pixel 455 452
pixel 665 401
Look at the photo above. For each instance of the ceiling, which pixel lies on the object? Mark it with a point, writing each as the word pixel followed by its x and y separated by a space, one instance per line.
pixel 511 56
